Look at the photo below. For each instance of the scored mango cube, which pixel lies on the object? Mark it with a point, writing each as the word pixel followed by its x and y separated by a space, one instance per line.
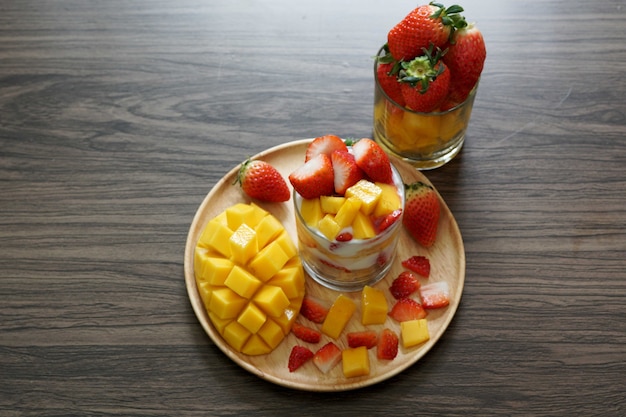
pixel 287 245
pixel 211 268
pixel 362 227
pixel 272 300
pixel 243 244
pixel 252 318
pixel 338 316
pixel 225 303
pixel 311 211
pixel 255 346
pixel 268 261
pixel 242 282
pixel 236 335
pixel 389 200
pixel 271 333
pixel 240 213
pixel 347 212
pixel 290 280
pixel 267 229
pixel 373 306
pixel 367 192
pixel 216 236
pixel 329 227
pixel 331 204
pixel 414 332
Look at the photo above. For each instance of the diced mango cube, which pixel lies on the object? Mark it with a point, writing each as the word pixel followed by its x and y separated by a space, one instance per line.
pixel 347 212
pixel 268 261
pixel 367 192
pixel 242 282
pixel 331 204
pixel 243 244
pixel 216 236
pixel 220 324
pixel 205 291
pixel 252 318
pixel 373 306
pixel 225 303
pixel 255 346
pixel 286 319
pixel 414 332
pixel 389 200
pixel 362 227
pixel 236 335
pixel 272 300
pixel 329 227
pixel 210 268
pixel 338 316
pixel 290 280
pixel 311 211
pixel 237 214
pixel 267 229
pixel 355 362
pixel 271 333
pixel 287 245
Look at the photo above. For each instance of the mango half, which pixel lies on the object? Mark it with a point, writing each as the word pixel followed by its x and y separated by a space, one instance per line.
pixel 250 278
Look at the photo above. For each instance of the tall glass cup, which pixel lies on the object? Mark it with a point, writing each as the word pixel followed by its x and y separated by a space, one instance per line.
pixel 425 140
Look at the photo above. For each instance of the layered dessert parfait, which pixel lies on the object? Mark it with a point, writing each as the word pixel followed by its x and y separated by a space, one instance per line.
pixel 348 200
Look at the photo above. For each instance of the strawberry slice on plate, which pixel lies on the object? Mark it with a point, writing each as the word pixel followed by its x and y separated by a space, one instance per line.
pixel 314 178
pixel 313 309
pixel 404 285
pixel 299 356
pixel 418 264
pixel 324 144
pixel 406 309
pixel 387 347
pixel 367 338
pixel 306 333
pixel 435 295
pixel 327 357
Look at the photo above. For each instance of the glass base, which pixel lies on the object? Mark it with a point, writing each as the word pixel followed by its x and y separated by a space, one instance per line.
pixel 424 162
pixel 345 286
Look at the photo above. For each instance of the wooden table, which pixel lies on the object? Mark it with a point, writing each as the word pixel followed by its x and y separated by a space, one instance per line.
pixel 117 118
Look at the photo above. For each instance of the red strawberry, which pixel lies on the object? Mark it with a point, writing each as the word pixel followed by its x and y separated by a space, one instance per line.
pixel 344 237
pixel 386 73
pixel 387 345
pixel 313 309
pixel 327 357
pixel 315 178
pixel 298 356
pixel 425 25
pixel 421 212
pixel 406 309
pixel 367 338
pixel 373 160
pixel 465 60
pixel 305 333
pixel 346 171
pixel 418 264
pixel 260 180
pixel 384 222
pixel 404 285
pixel 324 144
pixel 424 82
pixel 435 295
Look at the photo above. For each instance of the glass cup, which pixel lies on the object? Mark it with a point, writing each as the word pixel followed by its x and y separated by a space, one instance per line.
pixel 347 266
pixel 424 140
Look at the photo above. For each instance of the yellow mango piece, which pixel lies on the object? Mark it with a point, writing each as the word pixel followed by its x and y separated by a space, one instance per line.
pixel 338 316
pixel 240 213
pixel 268 261
pixel 225 303
pixel 389 200
pixel 373 306
pixel 220 324
pixel 362 227
pixel 236 335
pixel 242 282
pixel 331 204
pixel 367 192
pixel 347 212
pixel 216 236
pixel 267 229
pixel 255 346
pixel 286 319
pixel 290 280
pixel 271 333
pixel 329 227
pixel 414 332
pixel 311 211
pixel 243 244
pixel 355 362
pixel 210 268
pixel 252 318
pixel 287 245
pixel 272 300
pixel 205 291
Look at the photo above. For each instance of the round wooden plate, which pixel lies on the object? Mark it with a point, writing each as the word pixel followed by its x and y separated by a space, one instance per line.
pixel 447 260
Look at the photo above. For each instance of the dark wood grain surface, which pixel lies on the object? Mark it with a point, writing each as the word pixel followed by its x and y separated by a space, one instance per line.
pixel 118 117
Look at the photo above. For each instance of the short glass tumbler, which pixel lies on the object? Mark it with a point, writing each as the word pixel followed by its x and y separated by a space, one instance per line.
pixel 424 140
pixel 347 266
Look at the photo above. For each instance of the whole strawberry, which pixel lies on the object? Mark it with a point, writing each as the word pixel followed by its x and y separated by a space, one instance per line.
pixel 424 82
pixel 425 25
pixel 261 180
pixel 465 60
pixel 387 75
pixel 421 212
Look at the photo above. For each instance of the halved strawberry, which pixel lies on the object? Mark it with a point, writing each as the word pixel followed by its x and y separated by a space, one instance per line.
pixel 406 309
pixel 421 212
pixel 313 309
pixel 418 264
pixel 327 357
pixel 367 338
pixel 324 144
pixel 315 178
pixel 435 295
pixel 299 356
pixel 404 285
pixel 305 333
pixel 373 160
pixel 346 171
pixel 261 180
pixel 384 222
pixel 387 345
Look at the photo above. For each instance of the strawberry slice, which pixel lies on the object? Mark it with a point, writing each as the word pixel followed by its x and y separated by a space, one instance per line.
pixel 324 144
pixel 367 338
pixel 313 309
pixel 373 160
pixel 384 222
pixel 314 178
pixel 305 333
pixel 435 295
pixel 327 357
pixel 299 356
pixel 406 309
pixel 404 285
pixel 418 264
pixel 387 345
pixel 346 171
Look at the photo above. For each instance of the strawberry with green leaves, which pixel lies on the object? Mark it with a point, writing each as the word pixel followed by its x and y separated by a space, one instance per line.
pixel 424 81
pixel 421 212
pixel 261 180
pixel 465 59
pixel 387 75
pixel 426 25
